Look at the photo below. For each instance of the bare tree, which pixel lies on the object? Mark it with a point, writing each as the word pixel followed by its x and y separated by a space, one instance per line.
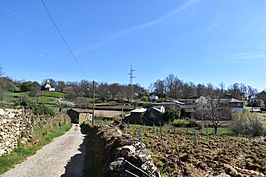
pixel 169 83
pixel 216 111
pixel 159 87
pixel 251 92
pixel 60 86
pixel 70 94
pixel 103 91
pixel 35 89
pixel 1 71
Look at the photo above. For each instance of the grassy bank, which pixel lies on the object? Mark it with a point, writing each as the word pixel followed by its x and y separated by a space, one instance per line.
pixel 47 98
pixel 41 137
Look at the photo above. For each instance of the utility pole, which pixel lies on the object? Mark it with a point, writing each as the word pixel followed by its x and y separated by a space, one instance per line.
pixel 93 106
pixel 131 77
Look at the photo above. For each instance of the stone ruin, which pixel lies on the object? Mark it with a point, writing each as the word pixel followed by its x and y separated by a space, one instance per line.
pixel 15 124
pixel 124 155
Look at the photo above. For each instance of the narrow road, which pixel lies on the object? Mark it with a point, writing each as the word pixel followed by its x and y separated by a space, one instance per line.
pixel 63 157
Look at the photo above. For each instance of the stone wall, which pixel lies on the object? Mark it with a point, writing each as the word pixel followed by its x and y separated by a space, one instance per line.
pixel 15 124
pixel 113 153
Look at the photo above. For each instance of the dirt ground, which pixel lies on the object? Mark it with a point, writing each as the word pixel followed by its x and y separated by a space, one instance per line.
pixel 179 153
pixel 105 113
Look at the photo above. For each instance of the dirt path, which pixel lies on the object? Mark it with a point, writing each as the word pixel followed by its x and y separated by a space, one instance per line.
pixel 62 157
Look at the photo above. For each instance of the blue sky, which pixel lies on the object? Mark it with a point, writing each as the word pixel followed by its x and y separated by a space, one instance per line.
pixel 197 40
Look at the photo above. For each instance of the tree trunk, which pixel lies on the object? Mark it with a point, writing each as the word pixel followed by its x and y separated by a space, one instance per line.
pixel 215 129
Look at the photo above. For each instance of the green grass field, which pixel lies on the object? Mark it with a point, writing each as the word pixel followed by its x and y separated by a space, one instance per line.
pixel 47 98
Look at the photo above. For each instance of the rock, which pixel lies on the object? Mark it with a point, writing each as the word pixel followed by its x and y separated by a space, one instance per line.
pixel 11 115
pixel 12 122
pixel 231 170
pixel 143 155
pixel 2 112
pixel 23 141
pixel 117 165
pixel 136 157
pixel 223 175
pixel 7 144
pixel 127 150
pixel 149 166
pixel 4 121
pixel 2 151
pixel 184 158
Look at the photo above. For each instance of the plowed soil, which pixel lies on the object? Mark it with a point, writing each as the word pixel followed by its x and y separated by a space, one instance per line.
pixel 179 153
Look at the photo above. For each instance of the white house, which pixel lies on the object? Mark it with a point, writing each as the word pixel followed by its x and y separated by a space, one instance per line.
pixel 48 86
pixel 153 97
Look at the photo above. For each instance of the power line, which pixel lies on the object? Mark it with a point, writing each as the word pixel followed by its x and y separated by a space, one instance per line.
pixel 131 77
pixel 61 35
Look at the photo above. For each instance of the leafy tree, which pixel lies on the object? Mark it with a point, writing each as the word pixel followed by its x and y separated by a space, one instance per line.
pixel 40 109
pixel 26 86
pixel 171 115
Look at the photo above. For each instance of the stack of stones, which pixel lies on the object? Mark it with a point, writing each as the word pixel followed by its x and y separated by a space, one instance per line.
pixel 15 124
pixel 125 155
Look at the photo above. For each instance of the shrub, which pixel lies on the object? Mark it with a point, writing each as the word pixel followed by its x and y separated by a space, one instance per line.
pixel 144 99
pixel 146 105
pixel 171 115
pixel 40 109
pixel 248 124
pixel 181 123
pixel 25 100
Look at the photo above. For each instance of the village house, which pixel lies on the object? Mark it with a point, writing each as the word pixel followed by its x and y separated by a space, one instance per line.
pixel 150 116
pixel 234 105
pixel 258 103
pixel 48 86
pixel 136 116
pixel 153 97
pixel 186 110
pixel 79 116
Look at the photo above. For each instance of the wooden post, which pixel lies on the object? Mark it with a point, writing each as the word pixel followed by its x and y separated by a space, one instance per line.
pixel 93 107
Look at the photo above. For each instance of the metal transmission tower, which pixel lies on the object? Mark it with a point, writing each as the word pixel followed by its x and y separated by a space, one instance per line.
pixel 131 77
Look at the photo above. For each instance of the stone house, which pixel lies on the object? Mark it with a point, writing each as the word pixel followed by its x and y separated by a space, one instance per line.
pixel 136 116
pixel 187 110
pixel 144 116
pixel 78 116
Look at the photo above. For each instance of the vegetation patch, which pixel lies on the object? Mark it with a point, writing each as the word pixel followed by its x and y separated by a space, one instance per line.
pixel 182 123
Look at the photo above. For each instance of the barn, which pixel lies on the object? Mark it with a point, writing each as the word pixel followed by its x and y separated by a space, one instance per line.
pixel 78 116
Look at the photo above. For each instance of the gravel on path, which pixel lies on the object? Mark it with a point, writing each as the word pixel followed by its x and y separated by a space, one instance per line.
pixel 63 157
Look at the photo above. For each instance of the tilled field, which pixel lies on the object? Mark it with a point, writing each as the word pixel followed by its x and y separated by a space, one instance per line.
pixel 179 153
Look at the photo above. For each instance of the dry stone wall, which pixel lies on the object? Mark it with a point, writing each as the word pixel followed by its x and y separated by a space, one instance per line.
pixel 120 154
pixel 15 124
